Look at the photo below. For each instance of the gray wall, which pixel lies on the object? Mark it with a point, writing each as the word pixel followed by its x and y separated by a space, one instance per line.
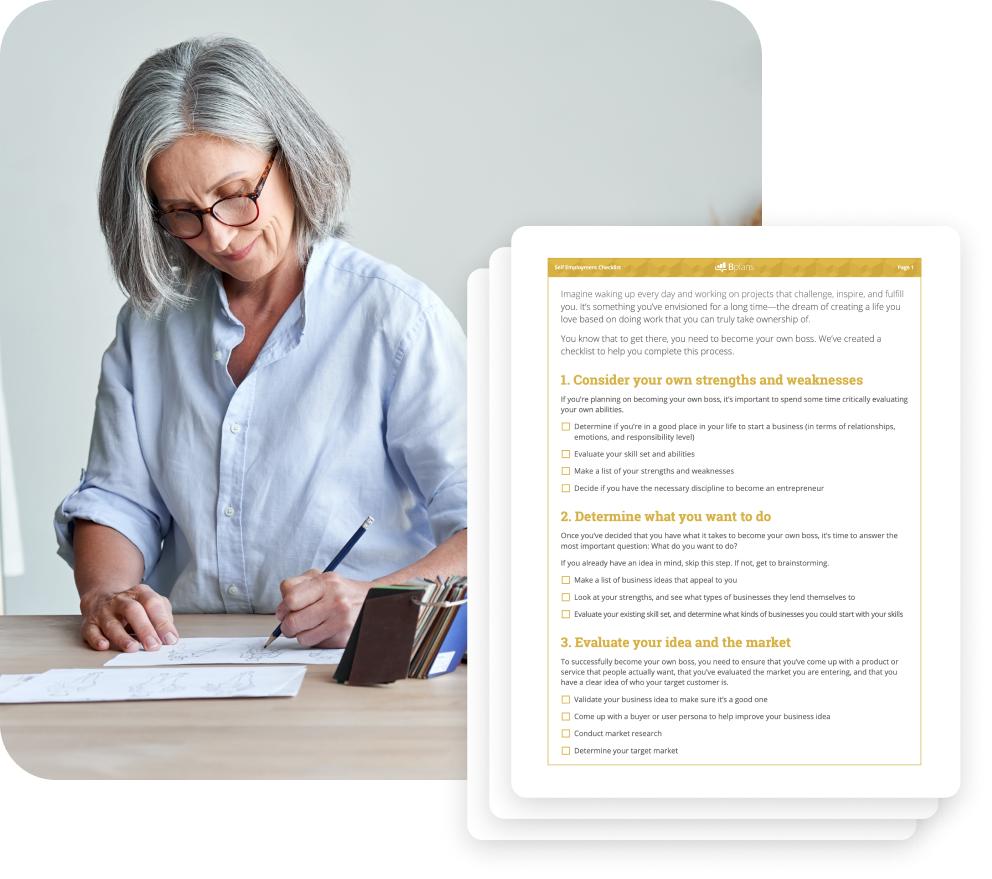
pixel 464 120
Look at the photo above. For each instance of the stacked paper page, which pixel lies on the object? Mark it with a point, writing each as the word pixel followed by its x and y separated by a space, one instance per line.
pixel 8 682
pixel 491 799
pixel 581 253
pixel 230 651
pixel 102 685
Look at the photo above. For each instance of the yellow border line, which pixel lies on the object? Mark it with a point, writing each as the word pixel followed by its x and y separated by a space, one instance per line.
pixel 547 523
pixel 921 512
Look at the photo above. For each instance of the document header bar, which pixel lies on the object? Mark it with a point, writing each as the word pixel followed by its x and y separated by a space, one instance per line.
pixel 734 267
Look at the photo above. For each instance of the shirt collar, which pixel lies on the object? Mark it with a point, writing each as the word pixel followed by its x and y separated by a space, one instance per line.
pixel 315 265
pixel 286 335
pixel 317 258
pixel 299 305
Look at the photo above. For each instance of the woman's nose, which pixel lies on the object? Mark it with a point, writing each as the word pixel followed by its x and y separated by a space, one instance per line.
pixel 217 234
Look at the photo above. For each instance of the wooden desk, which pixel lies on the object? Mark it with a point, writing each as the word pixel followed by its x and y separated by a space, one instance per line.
pixel 410 729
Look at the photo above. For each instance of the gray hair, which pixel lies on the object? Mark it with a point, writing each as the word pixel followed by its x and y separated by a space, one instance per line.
pixel 227 88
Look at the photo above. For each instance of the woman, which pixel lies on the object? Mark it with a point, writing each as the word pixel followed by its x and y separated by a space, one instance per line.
pixel 269 386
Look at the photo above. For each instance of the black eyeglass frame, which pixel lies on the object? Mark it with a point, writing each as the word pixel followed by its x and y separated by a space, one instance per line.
pixel 200 213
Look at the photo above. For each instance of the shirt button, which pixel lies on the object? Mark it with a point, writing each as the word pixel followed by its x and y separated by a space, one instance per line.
pixel 217 355
pixel 235 428
pixel 233 590
pixel 229 511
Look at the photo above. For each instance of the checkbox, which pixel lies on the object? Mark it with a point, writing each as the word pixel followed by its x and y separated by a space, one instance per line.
pixel 566 425
pixel 566 580
pixel 566 471
pixel 566 751
pixel 566 487
pixel 566 453
pixel 566 596
pixel 565 614
pixel 565 734
pixel 565 700
pixel 566 716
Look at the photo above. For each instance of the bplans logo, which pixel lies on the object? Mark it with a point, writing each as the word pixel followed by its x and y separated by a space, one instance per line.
pixel 722 267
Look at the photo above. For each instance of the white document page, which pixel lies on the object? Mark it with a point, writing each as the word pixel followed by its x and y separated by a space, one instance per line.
pixel 125 685
pixel 489 774
pixel 752 596
pixel 8 682
pixel 230 651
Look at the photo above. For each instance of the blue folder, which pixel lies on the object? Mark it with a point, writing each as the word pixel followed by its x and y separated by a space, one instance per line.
pixel 453 647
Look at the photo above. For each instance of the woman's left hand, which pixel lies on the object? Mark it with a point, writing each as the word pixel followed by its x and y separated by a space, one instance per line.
pixel 319 609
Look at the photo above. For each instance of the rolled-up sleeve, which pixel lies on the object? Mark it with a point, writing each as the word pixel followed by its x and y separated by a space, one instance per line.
pixel 116 489
pixel 426 420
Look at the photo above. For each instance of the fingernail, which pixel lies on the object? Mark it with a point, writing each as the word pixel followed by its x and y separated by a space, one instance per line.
pixel 280 615
pixel 102 645
pixel 170 638
pixel 131 647
pixel 151 644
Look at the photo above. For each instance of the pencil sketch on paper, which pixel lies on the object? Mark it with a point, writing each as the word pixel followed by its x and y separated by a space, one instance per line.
pixel 229 651
pixel 8 682
pixel 166 682
pixel 75 686
pixel 258 653
pixel 184 652
pixel 115 685
pixel 238 684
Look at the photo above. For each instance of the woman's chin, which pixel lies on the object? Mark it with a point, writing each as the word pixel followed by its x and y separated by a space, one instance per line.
pixel 251 269
pixel 241 273
pixel 246 271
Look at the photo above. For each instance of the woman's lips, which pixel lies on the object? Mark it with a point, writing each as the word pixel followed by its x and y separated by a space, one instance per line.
pixel 239 254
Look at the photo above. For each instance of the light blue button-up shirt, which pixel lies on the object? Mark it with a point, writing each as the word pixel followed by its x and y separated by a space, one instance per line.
pixel 355 407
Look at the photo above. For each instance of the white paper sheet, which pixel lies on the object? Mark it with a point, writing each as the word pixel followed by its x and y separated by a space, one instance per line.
pixel 101 685
pixel 230 651
pixel 491 799
pixel 8 682
pixel 853 778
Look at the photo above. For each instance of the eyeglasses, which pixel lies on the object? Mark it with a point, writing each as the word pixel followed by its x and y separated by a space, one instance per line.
pixel 235 210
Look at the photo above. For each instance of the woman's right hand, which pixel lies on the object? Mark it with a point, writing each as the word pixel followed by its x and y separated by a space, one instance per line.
pixel 106 613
